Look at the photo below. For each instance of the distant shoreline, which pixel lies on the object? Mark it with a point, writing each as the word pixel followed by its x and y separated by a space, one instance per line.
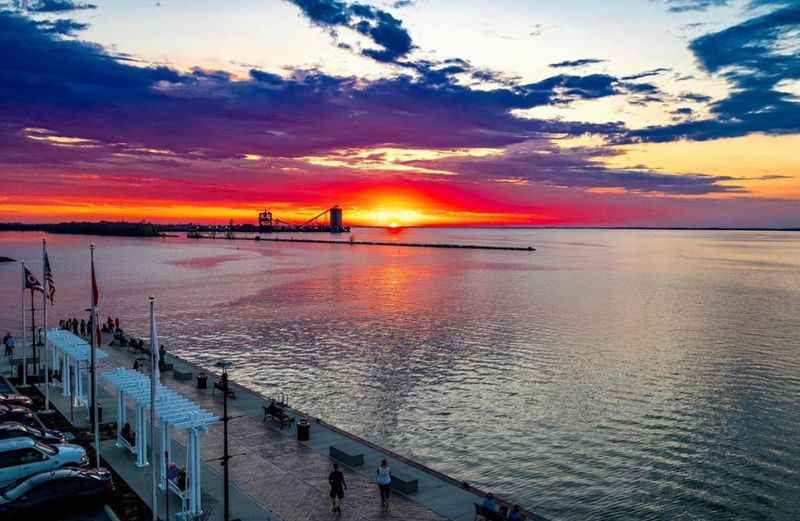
pixel 144 229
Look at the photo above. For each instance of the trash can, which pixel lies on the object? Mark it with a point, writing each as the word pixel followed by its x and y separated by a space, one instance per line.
pixel 303 430
pixel 99 413
pixel 202 381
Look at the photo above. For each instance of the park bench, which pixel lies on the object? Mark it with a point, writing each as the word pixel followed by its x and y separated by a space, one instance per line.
pixel 129 444
pixel 403 483
pixel 282 419
pixel 487 515
pixel 346 456
pixel 218 386
pixel 182 375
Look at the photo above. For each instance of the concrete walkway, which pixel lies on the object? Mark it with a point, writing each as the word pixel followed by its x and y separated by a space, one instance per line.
pixel 274 476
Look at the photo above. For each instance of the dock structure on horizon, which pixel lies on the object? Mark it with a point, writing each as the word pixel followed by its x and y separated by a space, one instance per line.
pixel 277 475
pixel 353 242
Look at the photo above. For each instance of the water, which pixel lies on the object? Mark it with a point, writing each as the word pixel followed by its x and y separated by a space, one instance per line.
pixel 610 375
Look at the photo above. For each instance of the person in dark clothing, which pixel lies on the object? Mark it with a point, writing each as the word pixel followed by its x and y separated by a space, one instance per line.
pixel 83 327
pixel 116 323
pixel 338 486
pixel 74 326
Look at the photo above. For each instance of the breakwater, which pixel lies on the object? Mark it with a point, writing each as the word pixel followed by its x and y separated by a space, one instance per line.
pixel 258 238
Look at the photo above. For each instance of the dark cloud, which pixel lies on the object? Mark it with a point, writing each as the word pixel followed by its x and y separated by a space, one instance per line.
pixel 62 26
pixel 576 63
pixel 399 4
pixel 683 6
pixel 755 57
pixel 646 74
pixel 382 28
pixel 58 6
pixel 550 165
pixel 77 89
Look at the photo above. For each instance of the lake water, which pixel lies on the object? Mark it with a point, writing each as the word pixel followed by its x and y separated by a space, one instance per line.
pixel 609 375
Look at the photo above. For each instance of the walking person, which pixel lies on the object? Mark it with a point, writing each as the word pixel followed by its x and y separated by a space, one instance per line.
pixel 384 481
pixel 10 344
pixel 338 486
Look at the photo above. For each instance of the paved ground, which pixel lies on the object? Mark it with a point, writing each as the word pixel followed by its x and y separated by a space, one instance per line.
pixel 274 476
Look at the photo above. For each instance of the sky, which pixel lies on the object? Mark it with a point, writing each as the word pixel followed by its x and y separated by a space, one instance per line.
pixel 405 112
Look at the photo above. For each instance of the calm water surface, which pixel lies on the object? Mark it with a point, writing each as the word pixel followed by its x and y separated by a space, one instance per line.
pixel 610 375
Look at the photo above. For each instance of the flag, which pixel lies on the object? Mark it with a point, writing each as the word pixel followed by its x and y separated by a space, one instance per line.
pixel 95 303
pixel 48 277
pixel 32 282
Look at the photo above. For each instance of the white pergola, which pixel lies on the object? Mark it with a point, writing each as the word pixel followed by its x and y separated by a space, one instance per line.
pixel 70 352
pixel 173 411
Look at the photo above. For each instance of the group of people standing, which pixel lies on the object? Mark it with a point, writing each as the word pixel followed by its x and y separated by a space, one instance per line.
pixel 83 327
pixel 383 478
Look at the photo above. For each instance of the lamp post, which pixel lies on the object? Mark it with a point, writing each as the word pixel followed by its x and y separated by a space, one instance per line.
pixel 224 365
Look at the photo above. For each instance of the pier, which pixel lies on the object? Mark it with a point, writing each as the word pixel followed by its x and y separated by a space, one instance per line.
pixel 375 243
pixel 274 475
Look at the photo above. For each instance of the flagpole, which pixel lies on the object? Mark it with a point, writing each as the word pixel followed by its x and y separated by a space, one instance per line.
pixel 153 400
pixel 22 308
pixel 95 422
pixel 45 293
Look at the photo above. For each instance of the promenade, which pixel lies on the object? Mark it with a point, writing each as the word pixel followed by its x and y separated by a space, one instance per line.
pixel 274 477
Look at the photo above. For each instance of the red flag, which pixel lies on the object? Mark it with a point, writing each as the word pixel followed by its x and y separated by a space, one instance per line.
pixel 95 303
pixel 95 289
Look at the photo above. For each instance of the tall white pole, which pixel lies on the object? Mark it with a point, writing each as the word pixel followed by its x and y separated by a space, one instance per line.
pixel 93 326
pixel 46 350
pixel 153 401
pixel 22 308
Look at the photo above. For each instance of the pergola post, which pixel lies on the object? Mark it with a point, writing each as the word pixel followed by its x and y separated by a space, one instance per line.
pixel 141 437
pixel 67 377
pixel 193 472
pixel 166 453
pixel 120 416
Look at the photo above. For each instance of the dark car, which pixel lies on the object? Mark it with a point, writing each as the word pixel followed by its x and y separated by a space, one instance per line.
pixel 16 413
pixel 56 493
pixel 10 430
pixel 15 399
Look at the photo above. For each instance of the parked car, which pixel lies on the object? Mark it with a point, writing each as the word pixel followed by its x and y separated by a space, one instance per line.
pixel 23 457
pixel 16 413
pixel 15 399
pixel 10 430
pixel 52 494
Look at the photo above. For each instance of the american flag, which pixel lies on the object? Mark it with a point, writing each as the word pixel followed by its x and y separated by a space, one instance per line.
pixel 48 277
pixel 32 282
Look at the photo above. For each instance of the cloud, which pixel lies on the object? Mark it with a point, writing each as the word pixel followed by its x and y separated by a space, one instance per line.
pixel 386 31
pixel 646 74
pixel 582 62
pixel 580 167
pixel 77 89
pixel 683 6
pixel 399 4
pixel 58 6
pixel 756 57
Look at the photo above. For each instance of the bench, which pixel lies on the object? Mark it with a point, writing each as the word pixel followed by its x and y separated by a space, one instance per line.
pixel 218 385
pixel 182 375
pixel 283 419
pixel 404 484
pixel 164 367
pixel 346 456
pixel 127 444
pixel 180 492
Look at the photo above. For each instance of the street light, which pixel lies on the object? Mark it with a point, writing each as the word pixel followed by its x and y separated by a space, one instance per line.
pixel 225 365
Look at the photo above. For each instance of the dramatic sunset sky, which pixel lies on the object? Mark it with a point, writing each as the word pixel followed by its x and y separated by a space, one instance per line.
pixel 419 112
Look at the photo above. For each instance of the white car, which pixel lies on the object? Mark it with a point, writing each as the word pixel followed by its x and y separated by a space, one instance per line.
pixel 22 457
